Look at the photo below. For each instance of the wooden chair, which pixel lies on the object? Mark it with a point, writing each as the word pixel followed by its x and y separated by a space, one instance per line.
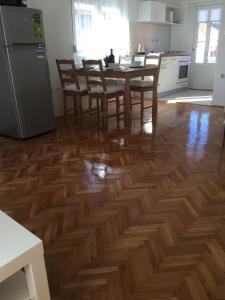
pixel 72 85
pixel 142 86
pixel 102 92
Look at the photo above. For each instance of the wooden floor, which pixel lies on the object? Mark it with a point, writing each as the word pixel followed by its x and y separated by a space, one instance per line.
pixel 134 214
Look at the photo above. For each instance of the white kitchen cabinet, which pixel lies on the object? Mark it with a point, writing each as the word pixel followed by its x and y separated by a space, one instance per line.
pixel 151 11
pixel 158 13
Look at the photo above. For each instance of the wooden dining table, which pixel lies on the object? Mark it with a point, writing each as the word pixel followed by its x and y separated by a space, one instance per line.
pixel 128 73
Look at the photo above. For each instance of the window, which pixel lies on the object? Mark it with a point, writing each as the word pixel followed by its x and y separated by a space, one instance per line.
pixel 207 34
pixel 100 25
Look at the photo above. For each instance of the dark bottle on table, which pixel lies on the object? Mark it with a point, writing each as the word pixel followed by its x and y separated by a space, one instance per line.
pixel 111 58
pixel 106 60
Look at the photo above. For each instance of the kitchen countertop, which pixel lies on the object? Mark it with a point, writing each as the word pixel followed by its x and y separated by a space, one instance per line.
pixel 172 54
pixel 175 54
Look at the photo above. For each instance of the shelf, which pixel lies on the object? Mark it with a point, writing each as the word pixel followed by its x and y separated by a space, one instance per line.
pixel 173 24
pixel 14 288
pixel 176 17
pixel 173 6
pixel 162 23
pixel 155 12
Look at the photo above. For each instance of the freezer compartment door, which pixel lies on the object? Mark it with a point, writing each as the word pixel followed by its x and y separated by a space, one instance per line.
pixel 22 25
pixel 32 86
pixel 9 123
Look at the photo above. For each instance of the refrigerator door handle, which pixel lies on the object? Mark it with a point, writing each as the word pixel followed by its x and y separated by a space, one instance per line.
pixel 7 46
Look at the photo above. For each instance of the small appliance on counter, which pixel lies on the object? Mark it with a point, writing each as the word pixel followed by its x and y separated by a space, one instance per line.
pixel 141 48
pixel 26 107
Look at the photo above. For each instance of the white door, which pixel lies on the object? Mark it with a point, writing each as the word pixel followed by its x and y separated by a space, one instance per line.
pixel 207 28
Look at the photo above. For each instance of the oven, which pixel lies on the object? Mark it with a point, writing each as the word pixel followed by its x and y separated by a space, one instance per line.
pixel 183 70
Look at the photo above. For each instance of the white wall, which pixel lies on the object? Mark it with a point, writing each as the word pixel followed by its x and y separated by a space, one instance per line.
pixel 59 36
pixel 148 33
pixel 155 37
pixel 59 39
pixel 178 33
pixel 181 39
pixel 170 37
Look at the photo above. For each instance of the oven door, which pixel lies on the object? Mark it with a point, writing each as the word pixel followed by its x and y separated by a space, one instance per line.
pixel 183 73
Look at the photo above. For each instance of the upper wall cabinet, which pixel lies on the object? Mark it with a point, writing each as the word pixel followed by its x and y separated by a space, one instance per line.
pixel 158 13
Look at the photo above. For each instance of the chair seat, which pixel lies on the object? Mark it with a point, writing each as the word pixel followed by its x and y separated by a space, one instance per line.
pixel 141 83
pixel 73 88
pixel 113 81
pixel 111 89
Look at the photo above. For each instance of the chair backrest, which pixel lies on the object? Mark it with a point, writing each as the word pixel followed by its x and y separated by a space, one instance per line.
pixel 94 74
pixel 140 58
pixel 125 59
pixel 154 60
pixel 67 72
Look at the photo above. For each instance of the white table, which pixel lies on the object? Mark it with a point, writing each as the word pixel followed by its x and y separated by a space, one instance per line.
pixel 21 250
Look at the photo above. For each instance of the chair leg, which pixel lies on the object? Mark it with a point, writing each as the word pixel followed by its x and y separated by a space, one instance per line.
pixel 131 106
pixel 105 111
pixel 142 104
pixel 98 110
pixel 124 109
pixel 64 105
pixel 224 137
pixel 79 105
pixel 89 107
pixel 118 109
pixel 154 105
pixel 75 108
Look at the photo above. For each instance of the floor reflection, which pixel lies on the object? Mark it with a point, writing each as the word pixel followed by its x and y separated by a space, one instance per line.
pixel 198 134
pixel 121 141
pixel 148 128
pixel 97 168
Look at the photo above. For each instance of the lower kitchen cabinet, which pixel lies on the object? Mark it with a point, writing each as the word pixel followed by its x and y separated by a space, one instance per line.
pixel 168 75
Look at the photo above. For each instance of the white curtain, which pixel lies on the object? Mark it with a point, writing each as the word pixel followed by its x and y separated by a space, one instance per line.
pixel 100 25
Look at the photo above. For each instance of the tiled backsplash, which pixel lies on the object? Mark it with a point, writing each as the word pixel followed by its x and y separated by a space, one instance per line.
pixel 155 37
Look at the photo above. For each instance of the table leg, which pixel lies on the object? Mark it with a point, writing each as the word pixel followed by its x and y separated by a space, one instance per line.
pixel 127 100
pixel 37 280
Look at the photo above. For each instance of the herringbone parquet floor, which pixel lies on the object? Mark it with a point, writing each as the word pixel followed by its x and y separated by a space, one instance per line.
pixel 133 214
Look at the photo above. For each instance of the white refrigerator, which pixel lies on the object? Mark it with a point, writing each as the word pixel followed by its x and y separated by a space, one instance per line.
pixel 26 107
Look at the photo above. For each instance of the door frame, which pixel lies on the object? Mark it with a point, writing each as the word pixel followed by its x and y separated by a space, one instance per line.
pixel 191 25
